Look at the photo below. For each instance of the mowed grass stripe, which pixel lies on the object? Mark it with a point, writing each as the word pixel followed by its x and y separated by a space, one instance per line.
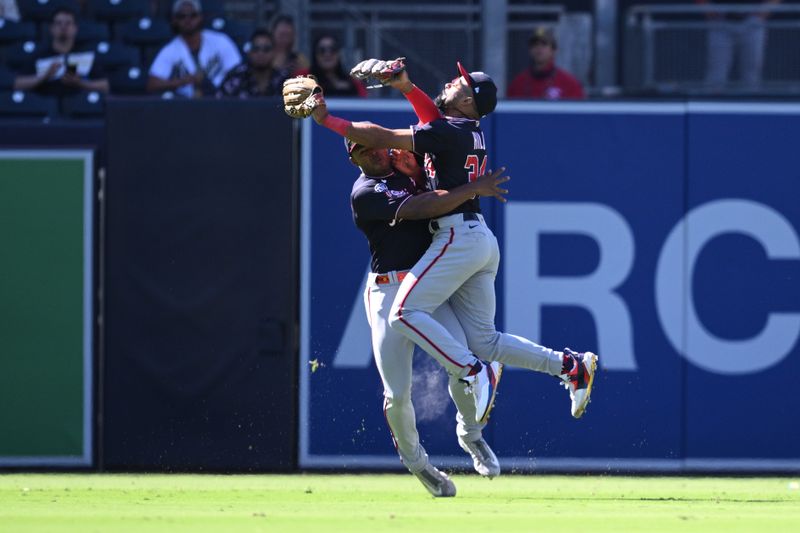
pixel 101 502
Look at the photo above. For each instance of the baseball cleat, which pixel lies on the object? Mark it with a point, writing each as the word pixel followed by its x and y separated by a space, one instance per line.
pixel 580 379
pixel 483 388
pixel 437 482
pixel 483 458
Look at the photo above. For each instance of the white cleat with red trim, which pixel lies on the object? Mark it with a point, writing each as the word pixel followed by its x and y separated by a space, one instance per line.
pixel 580 379
pixel 483 387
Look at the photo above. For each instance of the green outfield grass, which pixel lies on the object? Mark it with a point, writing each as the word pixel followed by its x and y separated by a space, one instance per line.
pixel 587 504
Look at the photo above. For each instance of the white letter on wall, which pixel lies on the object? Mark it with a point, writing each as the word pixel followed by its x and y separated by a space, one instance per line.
pixel 703 348
pixel 526 291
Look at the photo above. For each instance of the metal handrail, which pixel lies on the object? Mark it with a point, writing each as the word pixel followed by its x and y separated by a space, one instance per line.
pixel 515 9
pixel 704 24
pixel 645 18
pixel 704 9
pixel 371 16
pixel 394 8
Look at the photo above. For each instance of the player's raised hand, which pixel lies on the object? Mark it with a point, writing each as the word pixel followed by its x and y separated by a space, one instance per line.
pixel 488 184
pixel 382 71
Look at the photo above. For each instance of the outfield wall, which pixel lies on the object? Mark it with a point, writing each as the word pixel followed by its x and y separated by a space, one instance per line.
pixel 46 307
pixel 663 236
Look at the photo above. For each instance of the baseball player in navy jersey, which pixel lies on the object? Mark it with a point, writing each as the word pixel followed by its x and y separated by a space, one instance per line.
pixel 463 258
pixel 393 212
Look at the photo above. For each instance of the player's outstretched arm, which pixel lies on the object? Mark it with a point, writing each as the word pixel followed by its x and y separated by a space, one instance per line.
pixel 424 107
pixel 363 133
pixel 436 203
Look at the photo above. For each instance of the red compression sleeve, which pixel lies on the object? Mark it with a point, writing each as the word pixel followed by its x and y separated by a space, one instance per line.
pixel 339 125
pixel 423 106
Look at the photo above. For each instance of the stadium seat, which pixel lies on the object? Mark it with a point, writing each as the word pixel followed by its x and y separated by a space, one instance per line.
pixel 213 9
pixel 21 55
pixel 6 79
pixel 117 10
pixel 239 32
pixel 114 56
pixel 91 32
pixel 146 32
pixel 14 32
pixel 83 105
pixel 20 104
pixel 42 10
pixel 129 81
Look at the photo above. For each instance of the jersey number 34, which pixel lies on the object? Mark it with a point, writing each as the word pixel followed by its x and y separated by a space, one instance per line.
pixel 473 168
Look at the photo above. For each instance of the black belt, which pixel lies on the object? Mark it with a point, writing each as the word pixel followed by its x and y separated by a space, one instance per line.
pixel 467 216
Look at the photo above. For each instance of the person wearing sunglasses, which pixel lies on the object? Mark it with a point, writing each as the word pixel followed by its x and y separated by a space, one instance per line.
pixel 194 63
pixel 255 77
pixel 327 67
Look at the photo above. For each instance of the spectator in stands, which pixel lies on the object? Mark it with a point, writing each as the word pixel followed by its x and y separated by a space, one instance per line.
pixel 9 10
pixel 255 77
pixel 287 61
pixel 60 69
pixel 194 63
pixel 327 67
pixel 543 79
pixel 744 34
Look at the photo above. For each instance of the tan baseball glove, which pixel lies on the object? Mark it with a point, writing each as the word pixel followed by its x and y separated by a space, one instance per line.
pixel 298 95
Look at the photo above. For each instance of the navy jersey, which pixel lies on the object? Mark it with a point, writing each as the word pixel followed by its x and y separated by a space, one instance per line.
pixel 394 244
pixel 455 151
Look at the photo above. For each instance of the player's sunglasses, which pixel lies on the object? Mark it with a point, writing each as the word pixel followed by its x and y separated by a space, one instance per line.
pixel 184 16
pixel 261 48
pixel 327 49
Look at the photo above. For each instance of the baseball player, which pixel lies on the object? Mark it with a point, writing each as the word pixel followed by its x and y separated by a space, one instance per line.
pixel 394 217
pixel 462 261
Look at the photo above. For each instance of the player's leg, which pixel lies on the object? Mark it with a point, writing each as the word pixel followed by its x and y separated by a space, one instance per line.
pixel 468 431
pixel 393 355
pixel 453 257
pixel 474 305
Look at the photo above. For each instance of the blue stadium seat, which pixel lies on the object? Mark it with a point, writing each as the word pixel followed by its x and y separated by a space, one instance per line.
pixel 6 79
pixel 212 9
pixel 117 10
pixel 84 105
pixel 239 32
pixel 129 81
pixel 20 104
pixel 91 32
pixel 146 31
pixel 21 55
pixel 42 10
pixel 114 56
pixel 14 32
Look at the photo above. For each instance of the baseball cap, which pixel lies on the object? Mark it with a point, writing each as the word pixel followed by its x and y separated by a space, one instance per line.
pixel 483 90
pixel 194 3
pixel 542 34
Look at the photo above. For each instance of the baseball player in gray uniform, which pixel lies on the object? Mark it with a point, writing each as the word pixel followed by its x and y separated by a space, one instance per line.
pixel 462 261
pixel 393 212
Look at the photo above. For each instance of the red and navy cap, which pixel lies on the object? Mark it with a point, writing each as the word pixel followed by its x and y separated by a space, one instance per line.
pixel 483 89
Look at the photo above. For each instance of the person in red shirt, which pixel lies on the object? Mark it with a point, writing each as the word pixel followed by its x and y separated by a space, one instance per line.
pixel 543 79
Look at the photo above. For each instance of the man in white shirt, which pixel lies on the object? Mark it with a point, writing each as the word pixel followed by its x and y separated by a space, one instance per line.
pixel 194 63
